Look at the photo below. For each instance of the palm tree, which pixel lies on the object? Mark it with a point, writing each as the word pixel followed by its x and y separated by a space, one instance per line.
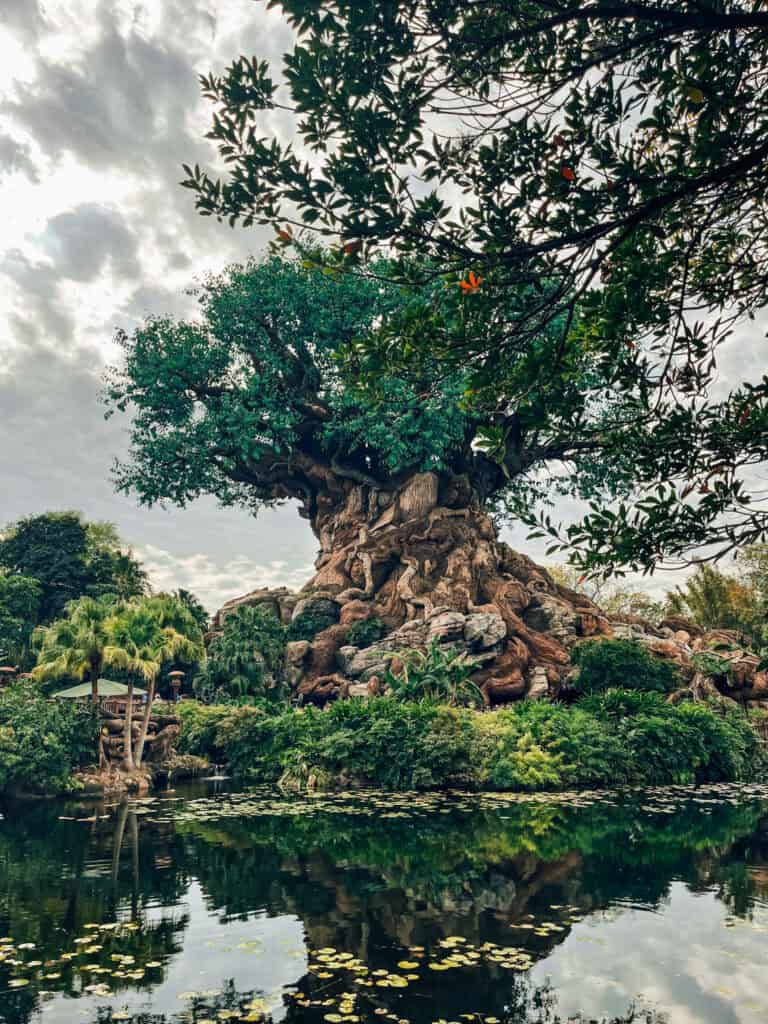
pixel 79 644
pixel 144 635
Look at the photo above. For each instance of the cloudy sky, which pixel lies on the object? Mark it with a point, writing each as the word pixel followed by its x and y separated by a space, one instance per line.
pixel 99 106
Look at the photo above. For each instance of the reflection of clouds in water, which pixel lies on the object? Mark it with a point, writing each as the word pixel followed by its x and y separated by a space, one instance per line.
pixel 262 954
pixel 682 962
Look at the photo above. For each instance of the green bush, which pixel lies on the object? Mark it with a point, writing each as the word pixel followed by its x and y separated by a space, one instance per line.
pixel 437 674
pixel 626 738
pixel 365 632
pixel 247 660
pixel 621 664
pixel 42 742
pixel 308 624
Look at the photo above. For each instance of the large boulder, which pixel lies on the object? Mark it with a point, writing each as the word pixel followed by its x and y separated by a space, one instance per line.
pixel 484 629
pixel 323 607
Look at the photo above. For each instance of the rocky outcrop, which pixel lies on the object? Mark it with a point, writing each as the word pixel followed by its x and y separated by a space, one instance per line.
pixel 519 639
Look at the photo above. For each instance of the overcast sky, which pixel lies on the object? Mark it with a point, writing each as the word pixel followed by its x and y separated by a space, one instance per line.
pixel 99 106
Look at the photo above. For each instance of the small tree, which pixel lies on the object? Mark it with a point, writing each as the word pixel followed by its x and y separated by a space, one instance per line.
pixel 144 635
pixel 20 598
pixel 717 600
pixel 80 644
pixel 246 660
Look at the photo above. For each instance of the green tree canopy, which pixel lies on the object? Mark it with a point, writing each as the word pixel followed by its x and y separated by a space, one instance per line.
pixel 20 598
pixel 259 399
pixel 604 161
pixel 80 644
pixel 70 558
pixel 247 659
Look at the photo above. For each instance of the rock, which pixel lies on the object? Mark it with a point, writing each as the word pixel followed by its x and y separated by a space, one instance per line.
pixel 297 651
pixel 446 626
pixel 760 684
pixel 548 614
pixel 539 685
pixel 678 623
pixel 627 631
pixel 682 636
pixel 279 601
pixel 371 658
pixel 354 611
pixel 359 690
pixel 484 630
pixel 316 606
pixel 350 594
pixel 500 691
pixel 344 657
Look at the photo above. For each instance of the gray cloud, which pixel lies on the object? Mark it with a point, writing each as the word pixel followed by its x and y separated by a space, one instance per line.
pixel 81 241
pixel 23 17
pixel 17 156
pixel 43 312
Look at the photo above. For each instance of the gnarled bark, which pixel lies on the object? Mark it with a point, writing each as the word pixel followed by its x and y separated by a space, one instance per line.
pixel 425 547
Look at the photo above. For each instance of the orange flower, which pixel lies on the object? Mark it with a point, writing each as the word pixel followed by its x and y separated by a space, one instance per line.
pixel 472 284
pixel 568 173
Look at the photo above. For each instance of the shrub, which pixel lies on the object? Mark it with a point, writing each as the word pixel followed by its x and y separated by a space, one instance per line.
pixel 365 632
pixel 247 660
pixel 437 674
pixel 308 624
pixel 611 664
pixel 625 738
pixel 42 742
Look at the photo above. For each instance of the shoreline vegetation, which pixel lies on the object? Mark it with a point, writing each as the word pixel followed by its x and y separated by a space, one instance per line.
pixel 617 739
pixel 620 738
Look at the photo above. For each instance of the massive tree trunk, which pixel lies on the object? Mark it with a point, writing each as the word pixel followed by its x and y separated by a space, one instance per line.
pixel 427 547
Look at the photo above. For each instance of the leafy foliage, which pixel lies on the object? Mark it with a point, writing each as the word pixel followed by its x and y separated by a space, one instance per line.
pixel 608 160
pixel 620 664
pixel 308 624
pixel 713 599
pixel 438 674
pixel 620 737
pixel 261 397
pixel 79 645
pixel 247 660
pixel 365 632
pixel 46 561
pixel 20 598
pixel 42 742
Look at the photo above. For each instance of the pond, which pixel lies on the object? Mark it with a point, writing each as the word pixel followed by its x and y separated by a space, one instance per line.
pixel 203 905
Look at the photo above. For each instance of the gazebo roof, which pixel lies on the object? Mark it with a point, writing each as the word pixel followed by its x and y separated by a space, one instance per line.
pixel 105 688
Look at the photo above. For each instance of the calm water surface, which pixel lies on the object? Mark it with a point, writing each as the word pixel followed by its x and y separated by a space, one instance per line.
pixel 201 906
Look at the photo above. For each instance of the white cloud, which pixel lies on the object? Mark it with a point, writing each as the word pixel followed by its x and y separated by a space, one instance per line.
pixel 214 583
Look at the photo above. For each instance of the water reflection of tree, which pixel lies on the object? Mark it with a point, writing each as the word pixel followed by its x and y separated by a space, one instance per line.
pixel 58 875
pixel 368 885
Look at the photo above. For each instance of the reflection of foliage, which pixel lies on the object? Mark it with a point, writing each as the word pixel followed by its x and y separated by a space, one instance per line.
pixel 606 664
pixel 439 674
pixel 344 868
